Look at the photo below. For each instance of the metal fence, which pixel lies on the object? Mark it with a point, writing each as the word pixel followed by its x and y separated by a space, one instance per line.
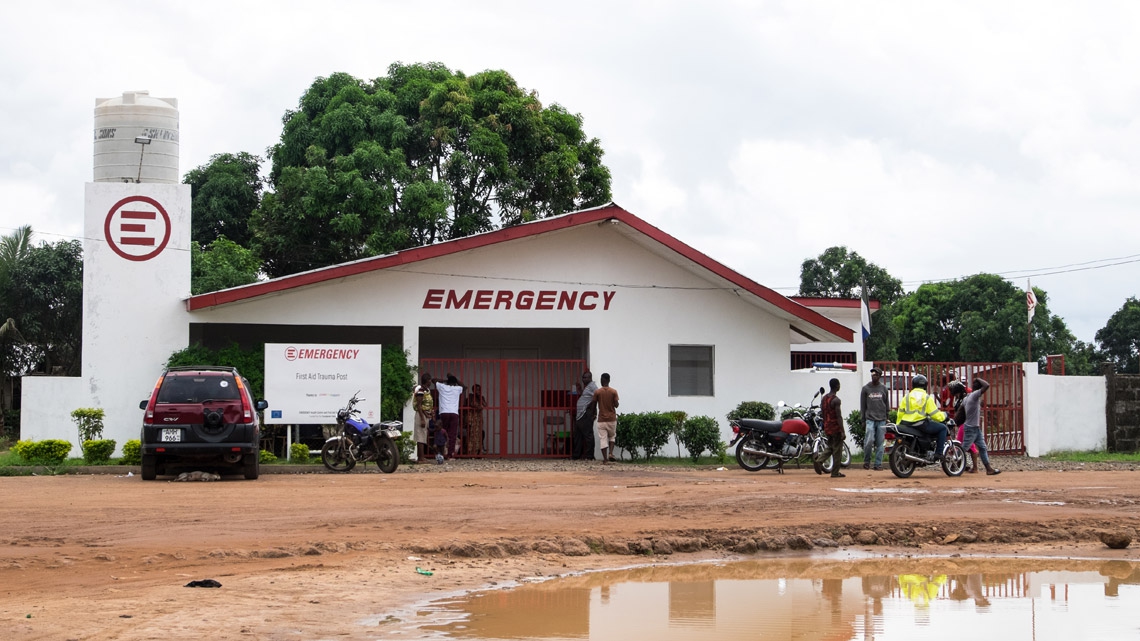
pixel 528 410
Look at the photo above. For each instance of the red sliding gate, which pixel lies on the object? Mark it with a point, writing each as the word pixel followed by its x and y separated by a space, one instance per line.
pixel 1003 411
pixel 529 405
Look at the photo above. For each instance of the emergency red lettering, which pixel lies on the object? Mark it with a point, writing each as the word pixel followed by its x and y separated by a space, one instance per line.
pixel 483 299
pixel 608 296
pixel 454 302
pixel 524 300
pixel 566 300
pixel 434 299
pixel 545 299
pixel 582 301
pixel 504 298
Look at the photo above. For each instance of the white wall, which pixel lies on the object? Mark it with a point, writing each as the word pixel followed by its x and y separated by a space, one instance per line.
pixel 1064 413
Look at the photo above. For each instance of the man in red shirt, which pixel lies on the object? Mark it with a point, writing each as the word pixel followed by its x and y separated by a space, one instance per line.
pixel 607 399
pixel 830 406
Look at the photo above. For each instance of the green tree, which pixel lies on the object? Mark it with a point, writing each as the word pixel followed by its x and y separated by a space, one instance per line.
pixel 223 194
pixel 981 318
pixel 221 265
pixel 13 248
pixel 1119 339
pixel 422 154
pixel 45 292
pixel 839 273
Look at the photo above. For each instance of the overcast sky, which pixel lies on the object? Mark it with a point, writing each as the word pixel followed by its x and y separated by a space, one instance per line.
pixel 937 140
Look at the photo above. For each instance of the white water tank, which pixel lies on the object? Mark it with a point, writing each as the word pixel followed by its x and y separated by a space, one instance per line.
pixel 136 139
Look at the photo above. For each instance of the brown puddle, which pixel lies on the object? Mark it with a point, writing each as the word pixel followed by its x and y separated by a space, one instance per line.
pixel 882 599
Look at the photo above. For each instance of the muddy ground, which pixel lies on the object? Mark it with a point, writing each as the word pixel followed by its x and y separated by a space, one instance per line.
pixel 331 556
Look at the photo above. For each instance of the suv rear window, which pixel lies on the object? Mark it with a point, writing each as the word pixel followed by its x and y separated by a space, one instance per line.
pixel 196 389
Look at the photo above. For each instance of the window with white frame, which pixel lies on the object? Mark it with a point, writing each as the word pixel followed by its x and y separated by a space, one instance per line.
pixel 690 370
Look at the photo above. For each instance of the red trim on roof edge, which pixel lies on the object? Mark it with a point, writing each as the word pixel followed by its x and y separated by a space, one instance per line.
pixel 535 228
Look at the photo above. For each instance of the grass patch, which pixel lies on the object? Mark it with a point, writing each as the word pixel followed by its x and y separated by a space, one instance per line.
pixel 669 461
pixel 1093 457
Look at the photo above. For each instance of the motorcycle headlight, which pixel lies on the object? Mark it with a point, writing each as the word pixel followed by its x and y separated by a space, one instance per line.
pixel 342 415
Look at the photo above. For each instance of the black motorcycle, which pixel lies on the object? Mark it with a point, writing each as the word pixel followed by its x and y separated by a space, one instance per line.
pixel 794 438
pixel 913 448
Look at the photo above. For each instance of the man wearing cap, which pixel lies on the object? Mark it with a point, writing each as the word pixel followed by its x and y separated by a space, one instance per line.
pixel 873 408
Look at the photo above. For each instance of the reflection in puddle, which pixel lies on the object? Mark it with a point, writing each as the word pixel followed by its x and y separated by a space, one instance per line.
pixel 878 599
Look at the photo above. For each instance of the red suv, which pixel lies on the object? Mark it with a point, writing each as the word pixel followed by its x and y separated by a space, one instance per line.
pixel 201 416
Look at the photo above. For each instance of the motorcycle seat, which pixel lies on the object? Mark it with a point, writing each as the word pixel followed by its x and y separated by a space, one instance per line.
pixel 910 430
pixel 759 425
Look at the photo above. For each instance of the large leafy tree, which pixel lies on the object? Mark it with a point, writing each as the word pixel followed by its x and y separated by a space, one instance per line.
pixel 223 194
pixel 419 155
pixel 840 273
pixel 1120 337
pixel 45 291
pixel 221 265
pixel 981 318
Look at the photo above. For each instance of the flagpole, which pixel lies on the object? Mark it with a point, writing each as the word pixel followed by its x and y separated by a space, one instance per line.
pixel 1031 301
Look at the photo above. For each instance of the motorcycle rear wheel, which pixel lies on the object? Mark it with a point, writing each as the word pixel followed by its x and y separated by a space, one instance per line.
pixel 750 462
pixel 954 462
pixel 824 466
pixel 336 457
pixel 845 459
pixel 387 458
pixel 900 465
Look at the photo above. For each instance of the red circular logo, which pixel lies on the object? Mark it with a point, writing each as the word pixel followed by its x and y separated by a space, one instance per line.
pixel 137 228
pixel 290 353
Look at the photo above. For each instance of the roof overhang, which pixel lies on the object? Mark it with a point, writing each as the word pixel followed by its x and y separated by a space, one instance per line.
pixel 809 324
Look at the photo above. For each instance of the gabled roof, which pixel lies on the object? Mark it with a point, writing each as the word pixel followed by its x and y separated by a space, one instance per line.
pixel 803 321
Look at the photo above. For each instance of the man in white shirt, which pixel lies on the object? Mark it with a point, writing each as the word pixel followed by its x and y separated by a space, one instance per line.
pixel 450 394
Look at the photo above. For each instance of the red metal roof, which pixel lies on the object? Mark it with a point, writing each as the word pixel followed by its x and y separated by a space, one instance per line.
pixel 546 225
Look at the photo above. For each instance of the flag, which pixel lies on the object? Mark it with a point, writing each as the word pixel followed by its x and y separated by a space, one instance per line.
pixel 1030 300
pixel 865 314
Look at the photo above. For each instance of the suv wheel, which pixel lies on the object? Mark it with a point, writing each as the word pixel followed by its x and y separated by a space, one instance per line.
pixel 251 466
pixel 149 467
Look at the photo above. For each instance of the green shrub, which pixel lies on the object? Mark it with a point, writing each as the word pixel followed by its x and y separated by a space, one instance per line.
pixel 48 452
pixel 648 431
pixel 132 453
pixel 700 433
pixel 678 417
pixel 406 446
pixel 265 456
pixel 299 453
pixel 89 420
pixel 397 380
pixel 98 452
pixel 752 409
pixel 722 452
pixel 857 427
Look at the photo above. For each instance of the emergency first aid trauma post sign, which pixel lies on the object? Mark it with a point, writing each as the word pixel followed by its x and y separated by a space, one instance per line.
pixel 307 384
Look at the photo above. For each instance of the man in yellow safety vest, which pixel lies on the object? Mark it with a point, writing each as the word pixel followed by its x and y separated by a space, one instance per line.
pixel 919 410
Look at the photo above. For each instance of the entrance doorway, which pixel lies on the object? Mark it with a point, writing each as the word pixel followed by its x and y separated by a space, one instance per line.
pixel 529 404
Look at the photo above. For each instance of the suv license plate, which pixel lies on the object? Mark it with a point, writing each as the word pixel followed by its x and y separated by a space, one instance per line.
pixel 171 435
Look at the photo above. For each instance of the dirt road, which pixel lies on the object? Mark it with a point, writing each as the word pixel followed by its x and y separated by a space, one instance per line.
pixel 330 556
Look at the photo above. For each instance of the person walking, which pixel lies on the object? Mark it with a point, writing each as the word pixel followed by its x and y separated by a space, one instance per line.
pixel 586 411
pixel 831 407
pixel 973 435
pixel 607 399
pixel 873 407
pixel 450 393
pixel 424 406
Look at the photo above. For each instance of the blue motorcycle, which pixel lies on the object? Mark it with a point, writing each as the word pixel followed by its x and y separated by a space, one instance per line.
pixel 357 441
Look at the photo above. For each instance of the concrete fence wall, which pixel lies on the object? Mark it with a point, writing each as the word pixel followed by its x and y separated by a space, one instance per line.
pixel 1064 412
pixel 1122 411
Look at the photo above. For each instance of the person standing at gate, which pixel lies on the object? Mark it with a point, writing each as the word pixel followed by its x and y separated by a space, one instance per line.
pixel 473 420
pixel 424 406
pixel 607 399
pixel 586 411
pixel 972 403
pixel 450 393
pixel 873 408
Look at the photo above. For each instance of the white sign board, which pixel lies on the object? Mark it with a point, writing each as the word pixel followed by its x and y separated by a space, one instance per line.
pixel 308 383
